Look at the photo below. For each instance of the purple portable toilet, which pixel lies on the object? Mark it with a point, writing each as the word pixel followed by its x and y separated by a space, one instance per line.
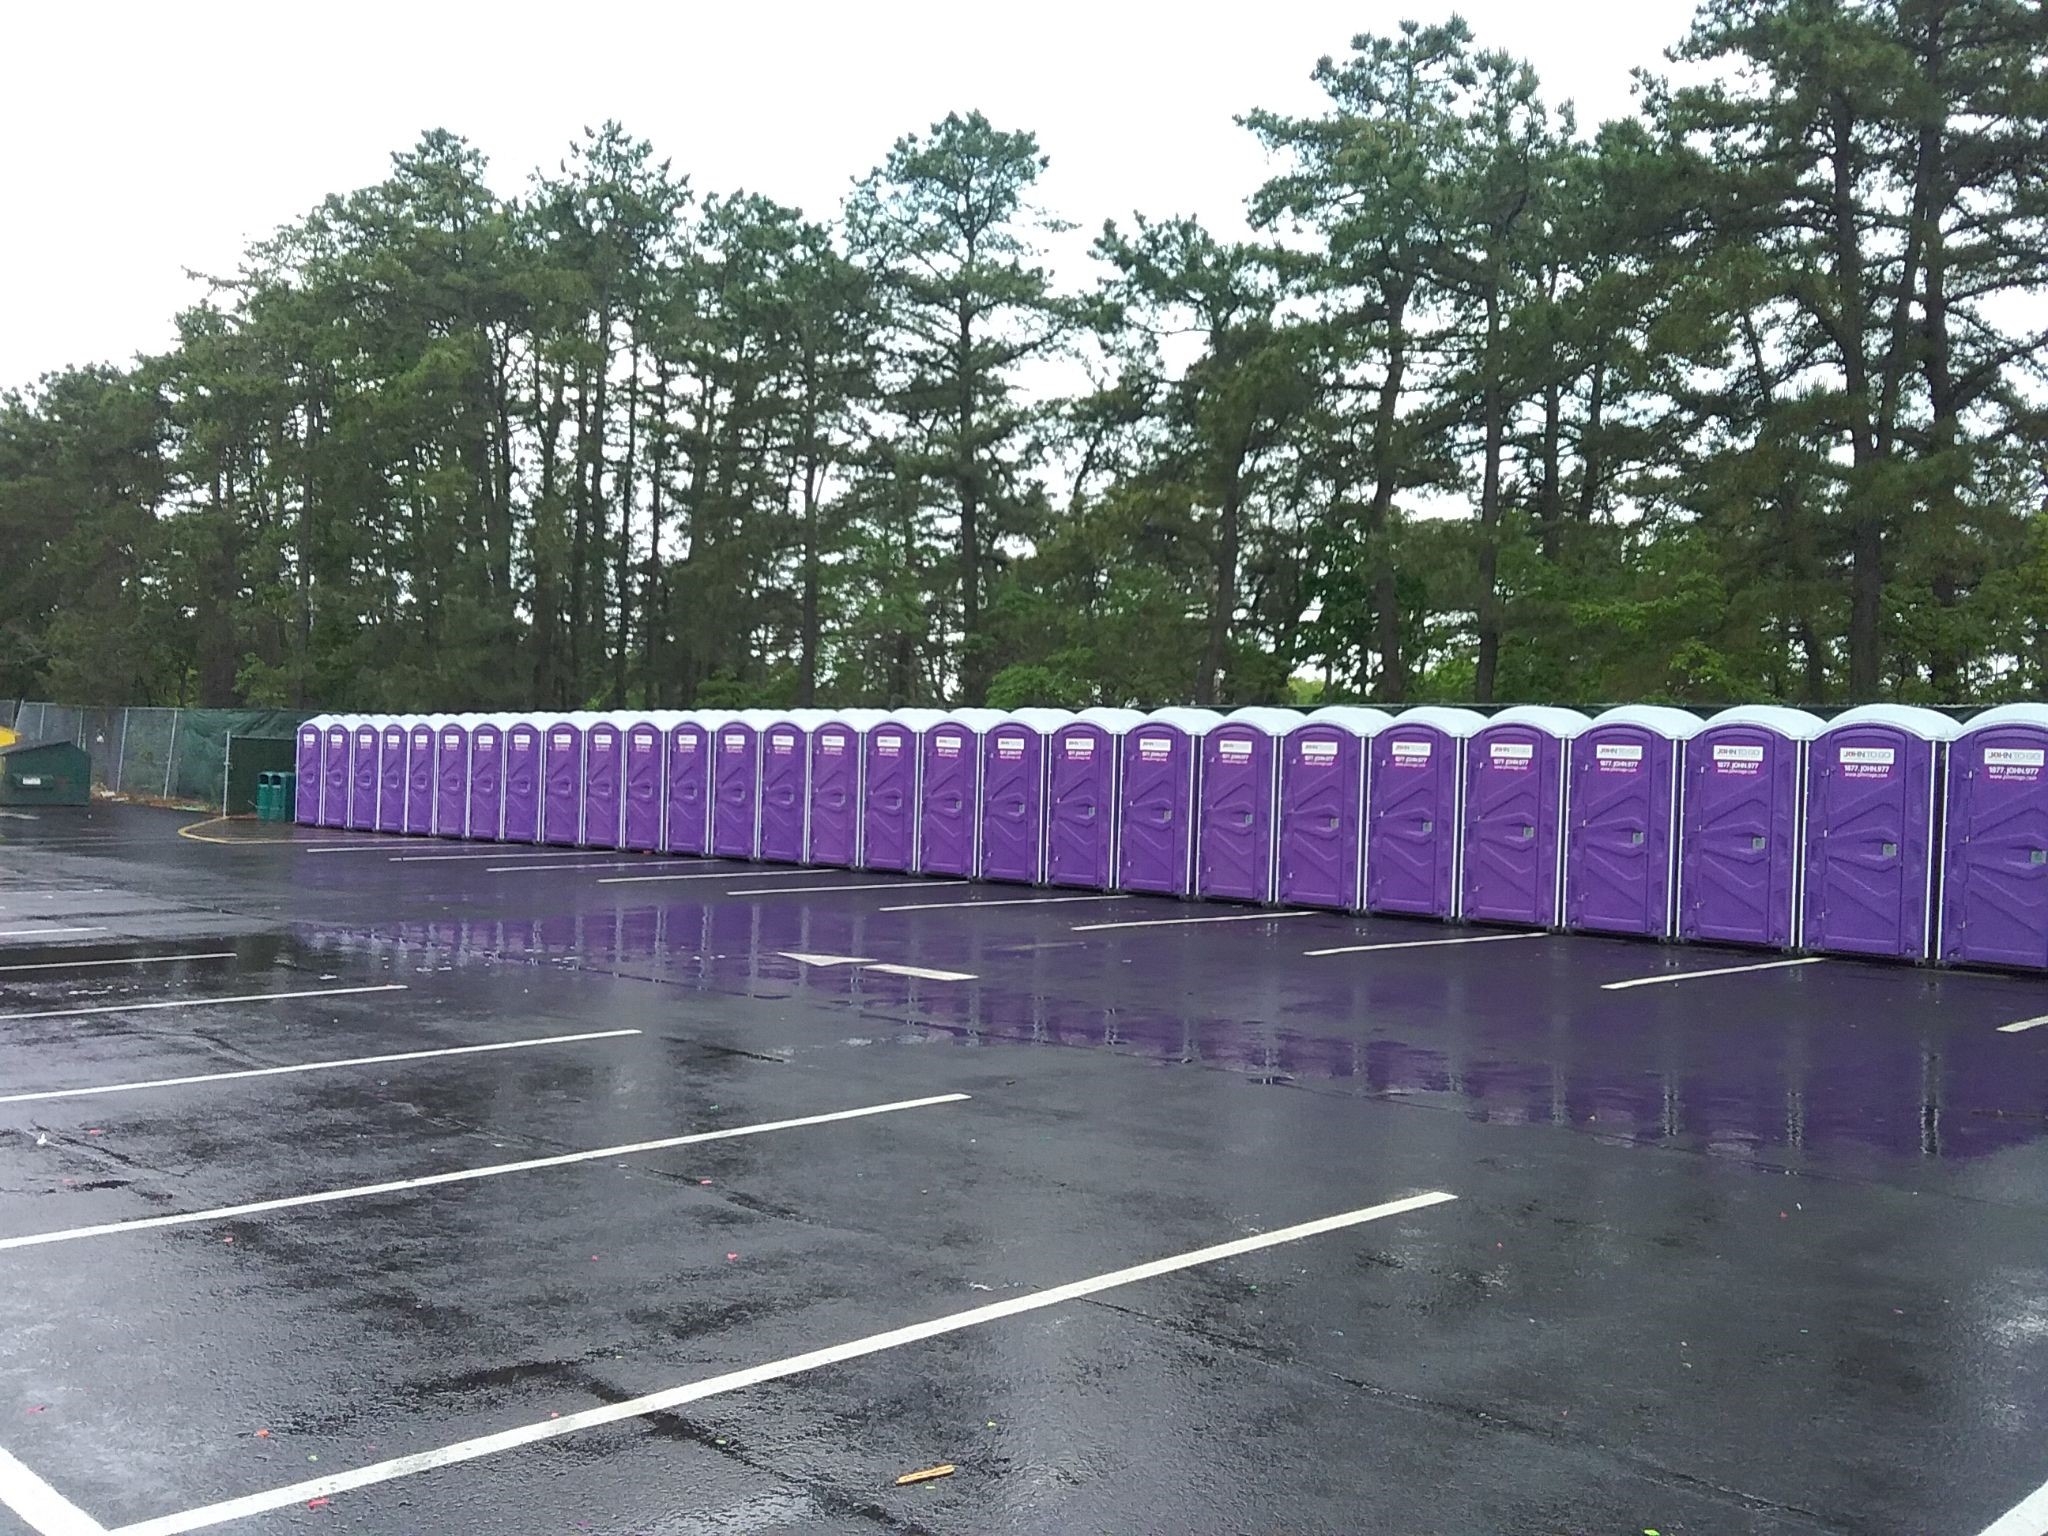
pixel 1014 760
pixel 392 735
pixel 451 775
pixel 1082 784
pixel 421 778
pixel 1415 801
pixel 486 811
pixel 889 813
pixel 736 784
pixel 785 793
pixel 312 777
pixel 1621 839
pixel 336 781
pixel 364 760
pixel 949 791
pixel 1156 804
pixel 1873 835
pixel 1515 790
pixel 525 779
pixel 838 759
pixel 1240 804
pixel 1741 825
pixel 561 778
pixel 686 812
pixel 640 780
pixel 1323 769
pixel 1994 883
pixel 604 780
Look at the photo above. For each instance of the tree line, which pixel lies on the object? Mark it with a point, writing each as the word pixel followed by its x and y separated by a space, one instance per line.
pixel 1740 396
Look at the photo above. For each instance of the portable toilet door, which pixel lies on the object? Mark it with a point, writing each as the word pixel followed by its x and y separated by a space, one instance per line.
pixel 1414 805
pixel 312 775
pixel 392 739
pixel 837 755
pixel 1873 807
pixel 1323 769
pixel 451 775
pixel 786 784
pixel 1014 759
pixel 525 781
pixel 736 785
pixel 1621 842
pixel 1516 792
pixel 1082 783
pixel 1240 805
pixel 949 791
pixel 888 815
pixel 1994 882
pixel 686 814
pixel 1741 826
pixel 420 778
pixel 561 779
pixel 641 782
pixel 336 781
pixel 1156 805
pixel 604 780
pixel 486 810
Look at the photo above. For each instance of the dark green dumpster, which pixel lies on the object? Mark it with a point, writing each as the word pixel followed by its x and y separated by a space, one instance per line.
pixel 287 797
pixel 45 773
pixel 266 797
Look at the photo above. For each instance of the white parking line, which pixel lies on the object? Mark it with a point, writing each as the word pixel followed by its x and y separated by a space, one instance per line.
pixel 923 973
pixel 353 844
pixel 42 933
pixel 40 1507
pixel 311 1066
pixel 502 851
pixel 1726 970
pixel 775 1370
pixel 1366 949
pixel 642 862
pixel 716 874
pixel 201 1002
pixel 1021 901
pixel 1179 922
pixel 461 1175
pixel 887 885
pixel 2019 1029
pixel 72 965
pixel 2028 1518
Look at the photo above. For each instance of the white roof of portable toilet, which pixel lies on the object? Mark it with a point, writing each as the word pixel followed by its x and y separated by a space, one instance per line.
pixel 1359 719
pixel 979 721
pixel 1115 721
pixel 1677 724
pixel 861 720
pixel 1263 717
pixel 1195 721
pixel 1562 723
pixel 2007 714
pixel 1796 724
pixel 712 719
pixel 1044 721
pixel 1928 724
pixel 916 719
pixel 1448 718
pixel 802 719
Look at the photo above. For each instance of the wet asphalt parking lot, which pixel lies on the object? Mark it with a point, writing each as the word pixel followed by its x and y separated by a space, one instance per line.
pixel 360 1184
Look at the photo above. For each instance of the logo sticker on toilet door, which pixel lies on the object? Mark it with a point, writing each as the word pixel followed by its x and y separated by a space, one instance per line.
pixel 1010 749
pixel 1234 749
pixel 1080 748
pixel 781 743
pixel 736 741
pixel 1512 756
pixel 1619 757
pixel 1866 762
pixel 1155 749
pixel 888 744
pixel 948 745
pixel 832 744
pixel 687 742
pixel 2009 763
pixel 1412 754
pixel 1737 759
pixel 1319 754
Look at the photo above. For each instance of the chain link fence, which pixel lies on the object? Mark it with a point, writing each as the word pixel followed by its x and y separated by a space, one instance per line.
pixel 150 754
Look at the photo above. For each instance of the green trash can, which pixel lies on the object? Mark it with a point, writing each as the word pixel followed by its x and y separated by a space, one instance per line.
pixel 266 797
pixel 287 797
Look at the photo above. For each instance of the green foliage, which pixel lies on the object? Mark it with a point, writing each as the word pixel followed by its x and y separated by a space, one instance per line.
pixel 1738 397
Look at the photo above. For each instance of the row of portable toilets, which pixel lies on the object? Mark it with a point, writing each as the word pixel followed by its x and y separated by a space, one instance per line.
pixel 1887 831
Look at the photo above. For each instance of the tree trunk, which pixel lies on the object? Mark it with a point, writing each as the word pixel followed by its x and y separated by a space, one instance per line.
pixel 1392 683
pixel 1488 608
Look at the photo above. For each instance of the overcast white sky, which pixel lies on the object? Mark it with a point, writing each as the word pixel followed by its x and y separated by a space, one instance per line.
pixel 143 139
